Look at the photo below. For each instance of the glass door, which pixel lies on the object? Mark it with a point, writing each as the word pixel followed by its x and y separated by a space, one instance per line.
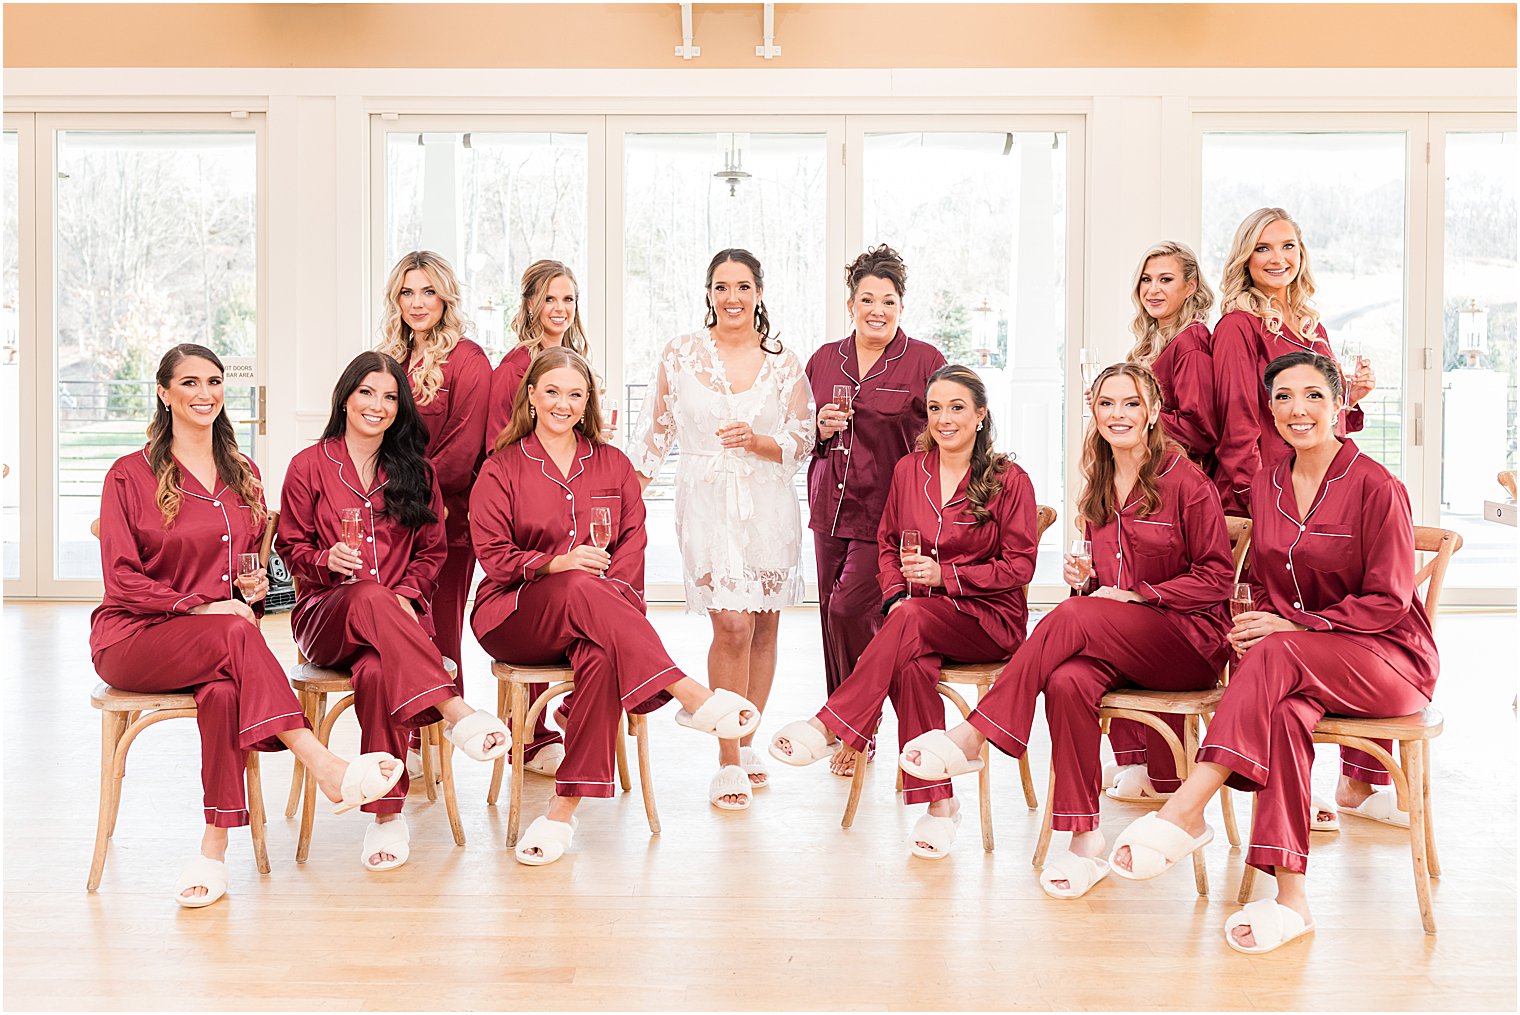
pixel 18 360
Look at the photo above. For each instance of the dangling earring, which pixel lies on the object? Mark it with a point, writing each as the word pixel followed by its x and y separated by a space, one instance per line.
pixel 532 412
pixel 163 405
pixel 978 426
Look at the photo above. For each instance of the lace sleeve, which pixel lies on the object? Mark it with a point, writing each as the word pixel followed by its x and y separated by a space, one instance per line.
pixel 796 434
pixel 656 431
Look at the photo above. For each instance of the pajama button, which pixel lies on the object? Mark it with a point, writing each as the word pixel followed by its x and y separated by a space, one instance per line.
pixel 224 577
pixel 224 539
pixel 567 496
pixel 369 539
pixel 1290 567
pixel 371 570
pixel 216 503
pixel 841 486
pixel 1298 606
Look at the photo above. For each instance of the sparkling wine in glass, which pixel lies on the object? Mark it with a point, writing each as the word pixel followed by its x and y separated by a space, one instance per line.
pixel 1081 556
pixel 351 531
pixel 912 544
pixel 1240 600
pixel 601 527
pixel 612 412
pixel 1088 361
pixel 844 395
pixel 247 567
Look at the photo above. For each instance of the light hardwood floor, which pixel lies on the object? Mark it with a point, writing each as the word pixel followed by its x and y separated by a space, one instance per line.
pixel 777 908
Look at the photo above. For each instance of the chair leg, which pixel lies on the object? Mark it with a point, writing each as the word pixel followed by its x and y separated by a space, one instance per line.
pixel 1433 860
pixel 984 797
pixel 500 764
pixel 519 746
pixel 257 821
pixel 858 783
pixel 1042 846
pixel 298 770
pixel 112 724
pixel 638 725
pixel 1414 773
pixel 1248 876
pixel 621 744
pixel 425 737
pixel 1027 777
pixel 446 774
pixel 119 768
pixel 1189 752
pixel 309 787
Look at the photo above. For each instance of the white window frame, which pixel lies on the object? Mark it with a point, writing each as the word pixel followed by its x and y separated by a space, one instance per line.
pixel 29 505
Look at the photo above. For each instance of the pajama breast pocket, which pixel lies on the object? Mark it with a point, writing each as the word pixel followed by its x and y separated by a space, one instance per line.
pixel 1326 547
pixel 603 516
pixel 1153 539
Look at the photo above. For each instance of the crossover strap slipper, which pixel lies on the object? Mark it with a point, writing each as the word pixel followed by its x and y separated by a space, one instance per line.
pixel 1319 805
pixel 719 716
pixel 201 872
pixel 754 767
pixel 1132 784
pixel 936 833
pixel 1382 807
pixel 469 735
pixel 938 757
pixel 1155 845
pixel 804 744
pixel 393 837
pixel 364 783
pixel 1272 926
pixel 414 763
pixel 550 838
pixel 547 761
pixel 1113 770
pixel 729 780
pixel 1079 872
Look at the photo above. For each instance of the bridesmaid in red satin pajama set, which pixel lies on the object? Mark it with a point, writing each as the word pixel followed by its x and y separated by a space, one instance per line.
pixel 174 519
pixel 887 373
pixel 1339 630
pixel 1171 299
pixel 450 378
pixel 551 591
pixel 369 607
pixel 547 317
pixel 961 599
pixel 1265 296
pixel 1156 618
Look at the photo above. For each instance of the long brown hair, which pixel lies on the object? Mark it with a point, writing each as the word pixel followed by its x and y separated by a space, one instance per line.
pixel 1099 500
pixel 398 341
pixel 762 320
pixel 522 422
pixel 1150 337
pixel 986 465
pixel 231 467
pixel 525 324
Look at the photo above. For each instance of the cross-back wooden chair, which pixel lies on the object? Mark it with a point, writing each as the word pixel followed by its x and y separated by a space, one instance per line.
pixel 1413 733
pixel 1147 707
pixel 981 676
pixel 125 714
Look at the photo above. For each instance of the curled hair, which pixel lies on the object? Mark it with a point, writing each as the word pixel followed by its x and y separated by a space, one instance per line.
pixel 403 446
pixel 231 467
pixel 881 261
pixel 987 466
pixel 399 342
pixel 762 320
pixel 525 323
pixel 1326 366
pixel 1099 499
pixel 1150 336
pixel 522 422
pixel 1238 291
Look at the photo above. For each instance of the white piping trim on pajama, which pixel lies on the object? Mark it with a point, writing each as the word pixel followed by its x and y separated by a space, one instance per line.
pixel 282 715
pixel 580 782
pixel 640 687
pixel 1363 768
pixel 419 694
pixel 1221 747
pixel 1280 849
pixel 225 810
pixel 181 599
pixel 1000 728
pixel 846 725
pixel 1073 814
pixel 916 794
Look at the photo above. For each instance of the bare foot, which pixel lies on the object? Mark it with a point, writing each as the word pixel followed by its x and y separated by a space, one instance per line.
pixel 329 773
pixel 842 763
pixel 1352 793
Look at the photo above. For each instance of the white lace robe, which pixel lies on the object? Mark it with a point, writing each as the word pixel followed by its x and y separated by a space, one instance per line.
pixel 737 520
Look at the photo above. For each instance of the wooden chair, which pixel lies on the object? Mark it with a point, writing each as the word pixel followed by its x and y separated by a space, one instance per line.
pixel 312 686
pixel 125 714
pixel 980 676
pixel 1147 707
pixel 512 700
pixel 1411 772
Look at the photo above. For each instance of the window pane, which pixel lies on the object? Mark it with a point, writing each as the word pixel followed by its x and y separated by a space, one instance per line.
pixel 677 212
pixel 10 360
pixel 1346 191
pixel 1478 379
pixel 980 219
pixel 492 203
pixel 155 246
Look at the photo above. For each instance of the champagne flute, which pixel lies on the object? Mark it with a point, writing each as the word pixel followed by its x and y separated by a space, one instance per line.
pixel 248 566
pixel 1240 600
pixel 844 395
pixel 351 531
pixel 1081 555
pixel 1088 362
pixel 612 412
pixel 912 545
pixel 601 527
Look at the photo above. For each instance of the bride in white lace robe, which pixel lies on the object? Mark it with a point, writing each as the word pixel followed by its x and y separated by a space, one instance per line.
pixel 737 520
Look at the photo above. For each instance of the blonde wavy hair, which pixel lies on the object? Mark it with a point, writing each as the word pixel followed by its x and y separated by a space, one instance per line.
pixel 523 422
pixel 1238 290
pixel 525 323
pixel 396 337
pixel 1150 337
